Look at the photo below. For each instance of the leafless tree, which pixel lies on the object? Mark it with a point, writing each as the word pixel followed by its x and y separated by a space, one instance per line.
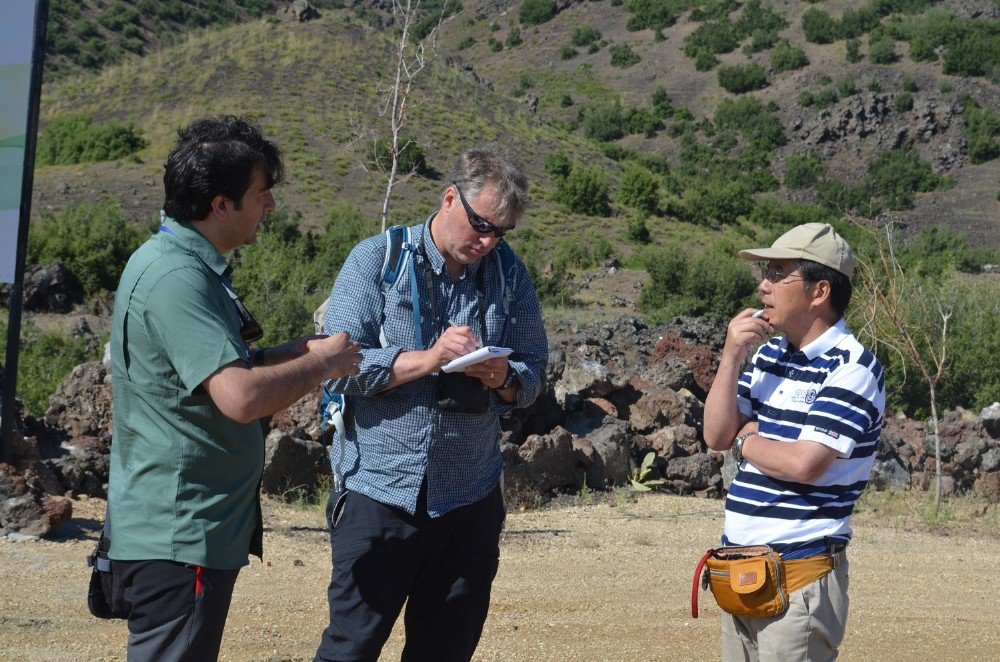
pixel 396 100
pixel 899 313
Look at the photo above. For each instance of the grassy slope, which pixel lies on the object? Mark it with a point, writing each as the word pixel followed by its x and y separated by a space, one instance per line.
pixel 308 82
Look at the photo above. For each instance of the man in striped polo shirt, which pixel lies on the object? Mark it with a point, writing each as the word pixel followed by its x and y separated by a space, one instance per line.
pixel 803 421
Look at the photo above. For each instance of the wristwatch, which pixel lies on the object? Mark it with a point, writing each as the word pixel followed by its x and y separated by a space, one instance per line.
pixel 511 380
pixel 737 449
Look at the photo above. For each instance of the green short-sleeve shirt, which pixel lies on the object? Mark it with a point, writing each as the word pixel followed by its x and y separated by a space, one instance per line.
pixel 184 477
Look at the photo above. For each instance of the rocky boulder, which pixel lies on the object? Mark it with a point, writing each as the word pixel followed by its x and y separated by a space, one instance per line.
pixel 292 467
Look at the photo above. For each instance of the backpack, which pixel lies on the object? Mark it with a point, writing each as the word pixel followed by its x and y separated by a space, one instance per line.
pixel 400 251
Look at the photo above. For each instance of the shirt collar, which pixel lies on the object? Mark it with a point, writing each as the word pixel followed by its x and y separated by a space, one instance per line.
pixel 195 242
pixel 827 341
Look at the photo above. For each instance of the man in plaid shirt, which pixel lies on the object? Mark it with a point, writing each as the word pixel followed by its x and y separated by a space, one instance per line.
pixel 419 514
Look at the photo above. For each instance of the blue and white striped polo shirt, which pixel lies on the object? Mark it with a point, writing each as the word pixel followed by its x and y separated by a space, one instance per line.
pixel 832 391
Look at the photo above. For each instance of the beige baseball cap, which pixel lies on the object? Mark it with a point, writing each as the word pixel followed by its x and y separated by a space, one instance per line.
pixel 818 242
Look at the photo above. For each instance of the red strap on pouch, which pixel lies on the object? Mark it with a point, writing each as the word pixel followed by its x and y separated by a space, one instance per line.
pixel 694 583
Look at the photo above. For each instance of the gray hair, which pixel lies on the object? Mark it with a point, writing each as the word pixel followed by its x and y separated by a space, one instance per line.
pixel 493 165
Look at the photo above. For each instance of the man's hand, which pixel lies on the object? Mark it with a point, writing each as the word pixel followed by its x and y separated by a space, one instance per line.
pixel 339 355
pixel 491 372
pixel 456 341
pixel 744 330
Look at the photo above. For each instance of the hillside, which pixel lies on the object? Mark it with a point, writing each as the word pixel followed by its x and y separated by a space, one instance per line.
pixel 313 84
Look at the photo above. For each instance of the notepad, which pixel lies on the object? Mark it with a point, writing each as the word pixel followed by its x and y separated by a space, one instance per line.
pixel 475 357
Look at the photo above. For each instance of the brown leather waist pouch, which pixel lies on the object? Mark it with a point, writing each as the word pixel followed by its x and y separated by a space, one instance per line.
pixel 754 580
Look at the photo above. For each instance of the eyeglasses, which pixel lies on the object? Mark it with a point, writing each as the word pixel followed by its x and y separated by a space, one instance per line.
pixel 775 275
pixel 478 223
pixel 250 330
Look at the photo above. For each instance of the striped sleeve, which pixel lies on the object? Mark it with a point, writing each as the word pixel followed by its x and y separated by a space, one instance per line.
pixel 846 408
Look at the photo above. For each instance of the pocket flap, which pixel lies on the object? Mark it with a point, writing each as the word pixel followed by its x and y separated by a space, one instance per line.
pixel 748 575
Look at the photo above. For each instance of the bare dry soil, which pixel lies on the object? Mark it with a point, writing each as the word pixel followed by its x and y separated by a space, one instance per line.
pixel 605 579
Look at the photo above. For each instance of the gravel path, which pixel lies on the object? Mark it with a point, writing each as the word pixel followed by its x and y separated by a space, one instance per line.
pixel 597 582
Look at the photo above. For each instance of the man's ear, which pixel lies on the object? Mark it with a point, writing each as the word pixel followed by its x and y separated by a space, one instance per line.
pixel 221 206
pixel 821 291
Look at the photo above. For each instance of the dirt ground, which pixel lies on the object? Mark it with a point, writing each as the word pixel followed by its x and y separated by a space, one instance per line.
pixel 608 579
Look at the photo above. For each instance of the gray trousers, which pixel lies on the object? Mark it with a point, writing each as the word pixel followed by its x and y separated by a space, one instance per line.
pixel 177 612
pixel 811 629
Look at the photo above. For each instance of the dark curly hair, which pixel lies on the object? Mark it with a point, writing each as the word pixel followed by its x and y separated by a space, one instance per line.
pixel 216 156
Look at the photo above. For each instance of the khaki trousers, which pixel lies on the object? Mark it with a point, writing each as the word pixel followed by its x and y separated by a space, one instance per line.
pixel 811 629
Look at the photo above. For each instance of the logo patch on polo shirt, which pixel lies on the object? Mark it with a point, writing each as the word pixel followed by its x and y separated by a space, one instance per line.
pixel 807 396
pixel 833 434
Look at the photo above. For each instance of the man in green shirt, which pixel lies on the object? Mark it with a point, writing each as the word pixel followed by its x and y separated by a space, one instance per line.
pixel 188 450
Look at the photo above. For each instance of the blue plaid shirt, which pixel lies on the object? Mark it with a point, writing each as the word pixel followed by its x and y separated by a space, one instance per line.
pixel 396 436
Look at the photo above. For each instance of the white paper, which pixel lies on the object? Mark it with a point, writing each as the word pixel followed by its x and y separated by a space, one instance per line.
pixel 475 357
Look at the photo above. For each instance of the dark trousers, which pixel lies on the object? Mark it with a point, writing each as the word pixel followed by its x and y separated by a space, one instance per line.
pixel 176 612
pixel 443 568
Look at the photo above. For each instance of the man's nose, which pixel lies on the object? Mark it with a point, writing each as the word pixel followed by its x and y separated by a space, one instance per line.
pixel 269 203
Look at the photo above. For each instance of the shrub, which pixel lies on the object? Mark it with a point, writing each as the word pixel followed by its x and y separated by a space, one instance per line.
pixel 639 190
pixel 846 87
pixel 623 56
pixel 468 42
pixel 93 241
pixel 653 14
pixel 712 281
pixel 566 101
pixel 897 174
pixel 513 38
pixel 882 50
pixel 536 12
pixel 982 125
pixel 637 231
pixel 818 26
pixel 45 360
pixel 605 123
pixel 76 139
pixel 585 191
pixel 714 37
pixel 759 125
pixel 785 57
pixel 705 61
pixel 739 79
pixel 585 36
pixel 411 157
pixel 804 170
pixel 903 103
pixel 558 165
pixel 854 51
pixel 495 45
pixel 910 84
pixel 567 53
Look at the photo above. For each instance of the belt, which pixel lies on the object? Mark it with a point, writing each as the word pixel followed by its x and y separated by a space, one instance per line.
pixel 801 572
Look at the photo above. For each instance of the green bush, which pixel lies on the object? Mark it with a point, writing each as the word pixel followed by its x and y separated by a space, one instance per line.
pixel 495 45
pixel 605 123
pixel 854 51
pixel 712 281
pixel 513 38
pixel 804 170
pixel 705 61
pixel 285 275
pixel 846 86
pixel 567 53
pixel 640 190
pixel 982 126
pixel 896 175
pixel 93 241
pixel 714 37
pixel 882 50
pixel 739 79
pixel 910 84
pixel 411 158
pixel 654 14
pixel 785 57
pixel 585 36
pixel 585 191
pixel 637 231
pixel 623 57
pixel 536 12
pixel 758 123
pixel 558 165
pixel 903 102
pixel 819 27
pixel 76 139
pixel 43 362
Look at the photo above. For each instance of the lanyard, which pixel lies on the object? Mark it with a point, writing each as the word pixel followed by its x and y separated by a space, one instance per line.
pixel 429 286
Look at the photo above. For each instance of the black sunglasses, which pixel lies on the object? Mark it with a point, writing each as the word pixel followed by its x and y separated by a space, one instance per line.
pixel 250 330
pixel 478 223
